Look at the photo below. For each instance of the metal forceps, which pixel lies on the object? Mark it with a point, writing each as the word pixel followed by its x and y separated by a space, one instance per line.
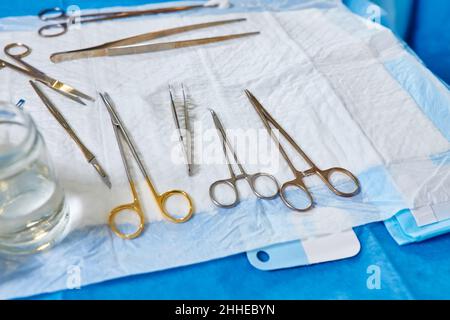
pixel 38 75
pixel 243 175
pixel 185 145
pixel 127 46
pixel 123 138
pixel 64 20
pixel 324 175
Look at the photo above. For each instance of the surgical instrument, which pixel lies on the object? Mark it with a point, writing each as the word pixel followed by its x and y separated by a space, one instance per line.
pixel 185 145
pixel 64 20
pixel 90 157
pixel 36 74
pixel 124 46
pixel 298 182
pixel 251 179
pixel 123 137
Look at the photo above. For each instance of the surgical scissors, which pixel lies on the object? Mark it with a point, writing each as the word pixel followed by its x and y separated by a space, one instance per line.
pixel 58 14
pixel 124 46
pixel 122 136
pixel 243 175
pixel 324 175
pixel 36 74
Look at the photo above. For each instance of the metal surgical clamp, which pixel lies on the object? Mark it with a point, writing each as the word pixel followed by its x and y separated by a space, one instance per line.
pixel 64 20
pixel 90 157
pixel 125 46
pixel 36 74
pixel 123 138
pixel 243 175
pixel 324 175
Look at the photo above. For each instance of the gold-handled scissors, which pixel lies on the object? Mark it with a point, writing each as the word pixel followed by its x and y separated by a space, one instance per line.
pixel 126 46
pixel 252 179
pixel 122 137
pixel 298 183
pixel 64 20
pixel 36 74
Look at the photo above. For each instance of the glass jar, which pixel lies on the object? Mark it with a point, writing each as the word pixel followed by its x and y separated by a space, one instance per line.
pixel 33 213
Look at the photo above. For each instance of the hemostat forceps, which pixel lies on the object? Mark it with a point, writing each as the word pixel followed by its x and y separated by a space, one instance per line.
pixel 124 46
pixel 243 175
pixel 324 175
pixel 36 74
pixel 123 138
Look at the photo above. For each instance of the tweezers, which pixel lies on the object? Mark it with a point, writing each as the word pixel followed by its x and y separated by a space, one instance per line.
pixel 185 145
pixel 124 46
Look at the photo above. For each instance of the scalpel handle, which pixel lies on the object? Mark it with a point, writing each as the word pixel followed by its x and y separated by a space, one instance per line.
pixel 62 121
pixel 86 152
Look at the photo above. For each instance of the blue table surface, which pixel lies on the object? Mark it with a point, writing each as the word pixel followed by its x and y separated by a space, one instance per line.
pixel 420 271
pixel 430 36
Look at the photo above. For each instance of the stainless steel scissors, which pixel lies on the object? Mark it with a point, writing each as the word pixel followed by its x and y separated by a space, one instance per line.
pixel 123 137
pixel 251 179
pixel 36 74
pixel 126 46
pixel 64 20
pixel 324 175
